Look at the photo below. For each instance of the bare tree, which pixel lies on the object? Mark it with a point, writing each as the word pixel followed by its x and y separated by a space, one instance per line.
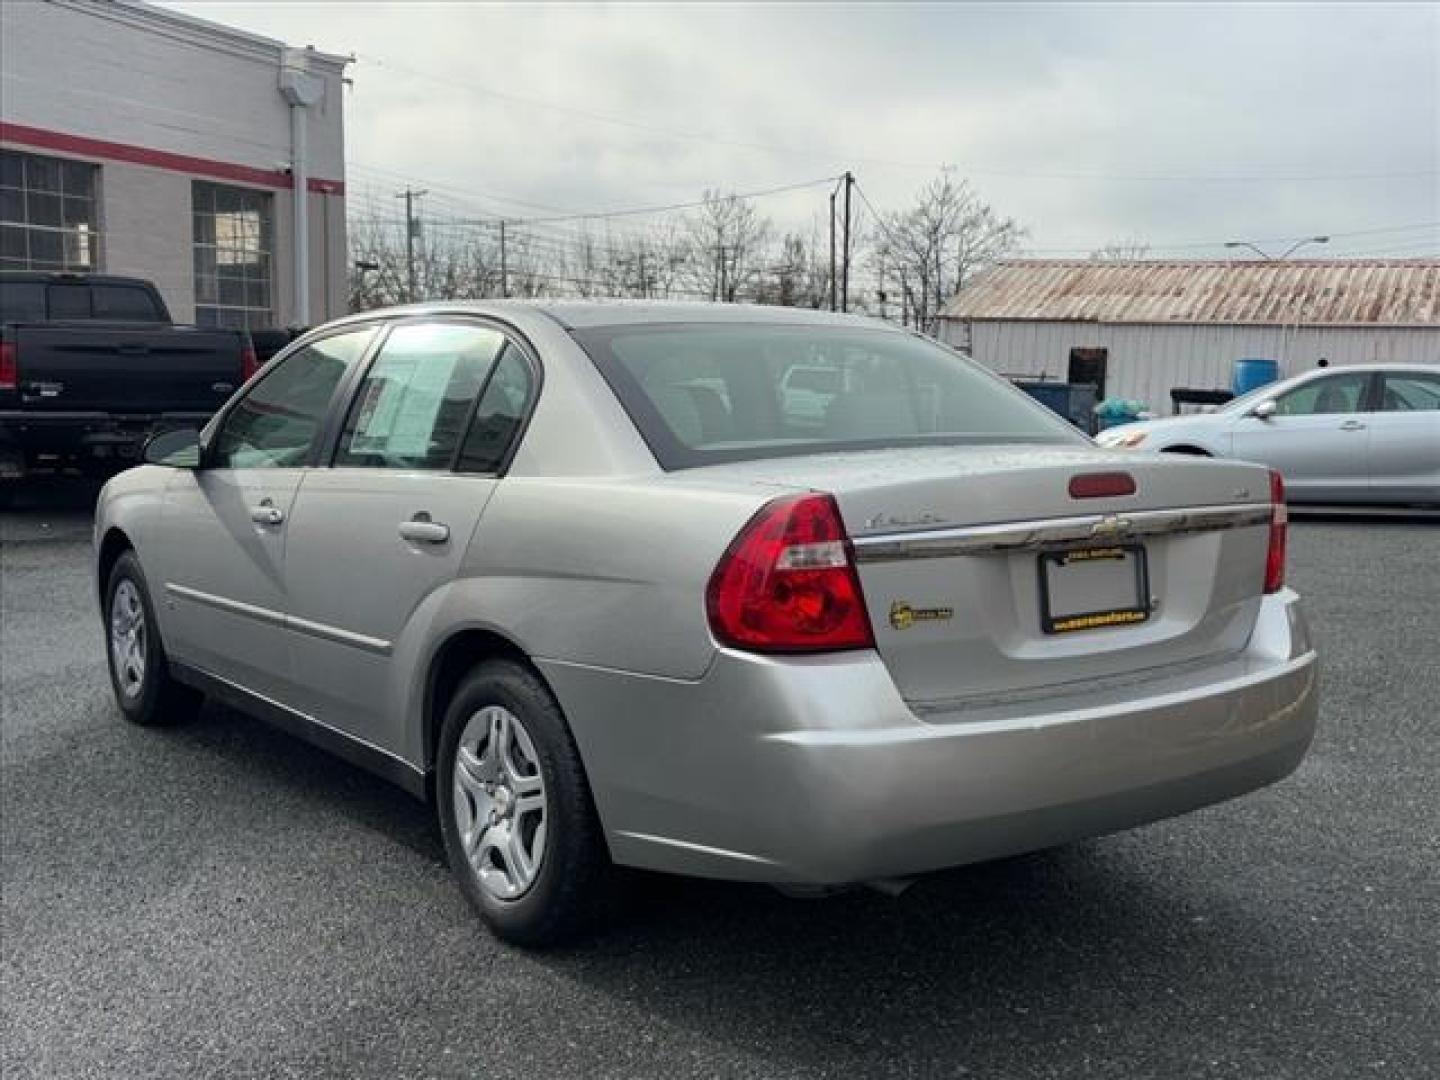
pixel 726 250
pixel 1122 251
pixel 935 248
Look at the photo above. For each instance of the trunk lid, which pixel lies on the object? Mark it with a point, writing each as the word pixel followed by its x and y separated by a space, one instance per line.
pixel 952 543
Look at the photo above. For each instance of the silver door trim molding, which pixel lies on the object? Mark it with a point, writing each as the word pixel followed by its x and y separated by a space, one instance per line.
pixel 1046 533
pixel 270 617
pixel 221 603
pixel 326 632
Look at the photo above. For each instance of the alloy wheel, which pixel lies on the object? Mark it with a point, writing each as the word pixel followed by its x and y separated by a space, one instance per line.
pixel 128 638
pixel 500 806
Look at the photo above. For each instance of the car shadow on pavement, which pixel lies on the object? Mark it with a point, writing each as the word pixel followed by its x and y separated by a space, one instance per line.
pixel 1102 947
pixel 251 748
pixel 971 965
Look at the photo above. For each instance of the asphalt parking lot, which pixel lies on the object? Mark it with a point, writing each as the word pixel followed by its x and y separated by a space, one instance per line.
pixel 222 900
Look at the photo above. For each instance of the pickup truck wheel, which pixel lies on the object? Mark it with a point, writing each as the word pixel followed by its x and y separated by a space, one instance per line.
pixel 516 814
pixel 139 675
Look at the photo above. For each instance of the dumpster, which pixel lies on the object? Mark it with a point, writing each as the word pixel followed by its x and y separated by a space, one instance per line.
pixel 1074 401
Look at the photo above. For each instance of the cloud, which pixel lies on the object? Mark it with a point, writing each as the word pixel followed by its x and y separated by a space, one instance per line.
pixel 1053 111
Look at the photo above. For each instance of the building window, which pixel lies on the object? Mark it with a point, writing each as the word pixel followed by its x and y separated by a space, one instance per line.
pixel 233 233
pixel 47 213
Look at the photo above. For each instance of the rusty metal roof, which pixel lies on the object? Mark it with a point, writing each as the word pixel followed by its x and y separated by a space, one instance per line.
pixel 1312 292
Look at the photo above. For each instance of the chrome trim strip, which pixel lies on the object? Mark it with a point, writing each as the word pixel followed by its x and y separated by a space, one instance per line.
pixel 378 646
pixel 270 617
pixel 1049 533
pixel 699 849
pixel 220 603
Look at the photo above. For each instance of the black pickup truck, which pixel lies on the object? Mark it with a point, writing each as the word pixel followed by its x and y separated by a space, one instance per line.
pixel 91 366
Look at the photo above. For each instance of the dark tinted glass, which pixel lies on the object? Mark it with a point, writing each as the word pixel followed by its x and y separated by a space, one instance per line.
pixel 123 302
pixel 276 423
pixel 22 302
pixel 499 415
pixel 69 301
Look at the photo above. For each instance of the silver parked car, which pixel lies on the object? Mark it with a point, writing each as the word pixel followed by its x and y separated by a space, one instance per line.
pixel 573 572
pixel 1363 434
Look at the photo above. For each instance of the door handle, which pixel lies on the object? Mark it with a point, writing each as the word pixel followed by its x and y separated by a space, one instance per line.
pixel 421 530
pixel 1352 425
pixel 267 513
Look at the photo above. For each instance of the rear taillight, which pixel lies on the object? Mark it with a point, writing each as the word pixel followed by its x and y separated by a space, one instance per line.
pixel 788 584
pixel 1279 526
pixel 249 363
pixel 9 366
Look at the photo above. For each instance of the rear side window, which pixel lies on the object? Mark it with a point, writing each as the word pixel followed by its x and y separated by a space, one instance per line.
pixel 69 301
pixel 499 415
pixel 702 394
pixel 123 302
pixel 412 410
pixel 22 301
pixel 1411 393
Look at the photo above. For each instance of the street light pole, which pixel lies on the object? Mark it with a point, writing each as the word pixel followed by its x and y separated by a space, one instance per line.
pixel 1291 327
pixel 1288 252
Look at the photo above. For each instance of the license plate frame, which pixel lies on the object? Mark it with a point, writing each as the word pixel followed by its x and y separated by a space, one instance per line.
pixel 1130 556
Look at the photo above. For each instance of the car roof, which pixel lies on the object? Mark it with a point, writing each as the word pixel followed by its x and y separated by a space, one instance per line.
pixel 590 314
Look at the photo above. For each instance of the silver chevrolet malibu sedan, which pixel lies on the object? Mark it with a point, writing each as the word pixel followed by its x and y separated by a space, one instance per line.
pixel 745 593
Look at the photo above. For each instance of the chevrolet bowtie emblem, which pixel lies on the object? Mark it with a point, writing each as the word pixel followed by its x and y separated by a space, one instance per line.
pixel 1110 525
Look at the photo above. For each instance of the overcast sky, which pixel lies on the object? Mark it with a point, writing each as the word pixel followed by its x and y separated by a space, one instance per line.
pixel 1088 123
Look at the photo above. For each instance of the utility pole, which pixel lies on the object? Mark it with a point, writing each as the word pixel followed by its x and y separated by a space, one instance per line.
pixel 412 228
pixel 845 271
pixel 504 266
pixel 833 280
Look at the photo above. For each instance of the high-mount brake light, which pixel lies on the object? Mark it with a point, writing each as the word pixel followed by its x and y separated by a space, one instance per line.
pixel 787 583
pixel 1101 485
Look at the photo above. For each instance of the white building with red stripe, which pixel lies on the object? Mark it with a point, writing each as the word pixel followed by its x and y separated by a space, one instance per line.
pixel 136 140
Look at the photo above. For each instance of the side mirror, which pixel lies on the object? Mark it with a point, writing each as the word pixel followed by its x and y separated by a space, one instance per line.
pixel 1264 410
pixel 178 448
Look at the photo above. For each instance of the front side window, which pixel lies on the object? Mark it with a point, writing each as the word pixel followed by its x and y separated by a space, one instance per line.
pixel 47 213
pixel 234 237
pixel 1409 392
pixel 415 403
pixel 709 393
pixel 1334 394
pixel 277 422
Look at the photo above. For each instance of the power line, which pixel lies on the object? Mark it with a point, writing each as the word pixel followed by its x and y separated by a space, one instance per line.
pixel 815 153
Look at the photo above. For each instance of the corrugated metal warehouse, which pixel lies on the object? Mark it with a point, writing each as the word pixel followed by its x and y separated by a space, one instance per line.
pixel 1141 328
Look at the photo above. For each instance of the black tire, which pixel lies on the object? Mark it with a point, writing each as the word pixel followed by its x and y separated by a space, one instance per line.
pixel 156 700
pixel 575 881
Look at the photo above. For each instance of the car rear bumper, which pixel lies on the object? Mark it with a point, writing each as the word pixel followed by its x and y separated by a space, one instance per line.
pixel 814 771
pixel 31 439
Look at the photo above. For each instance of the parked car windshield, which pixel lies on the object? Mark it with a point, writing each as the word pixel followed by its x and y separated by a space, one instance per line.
pixel 704 394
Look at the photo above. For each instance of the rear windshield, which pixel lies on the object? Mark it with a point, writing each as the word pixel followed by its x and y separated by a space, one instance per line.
pixel 704 393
